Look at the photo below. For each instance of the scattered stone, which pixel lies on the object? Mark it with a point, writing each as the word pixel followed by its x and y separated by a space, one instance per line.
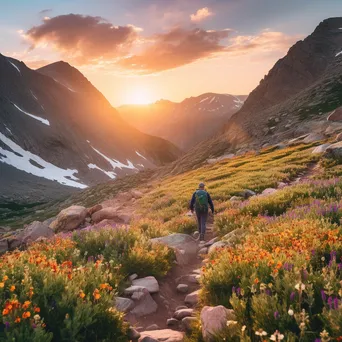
pixel 133 277
pixel 94 209
pixel 124 304
pixel 190 278
pixel 137 194
pixel 150 283
pixel 145 305
pixel 130 290
pixel 110 213
pixel 338 137
pixel 268 191
pixel 36 230
pixel 216 245
pixel 335 115
pixel 166 335
pixel 180 314
pixel 203 251
pixel 236 199
pixel 192 298
pixel 320 148
pixel 3 246
pixel 188 323
pixel 69 219
pixel 181 307
pixel 133 334
pixel 172 322
pixel 247 193
pixel 281 185
pixel 152 327
pixel 297 140
pixel 195 234
pixel 334 151
pixel 313 137
pixel 214 319
pixel 211 242
pixel 183 288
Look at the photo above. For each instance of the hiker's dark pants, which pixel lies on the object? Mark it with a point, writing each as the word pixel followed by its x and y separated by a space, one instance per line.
pixel 202 221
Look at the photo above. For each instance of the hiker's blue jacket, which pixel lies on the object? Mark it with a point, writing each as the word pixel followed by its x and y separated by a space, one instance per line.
pixel 193 201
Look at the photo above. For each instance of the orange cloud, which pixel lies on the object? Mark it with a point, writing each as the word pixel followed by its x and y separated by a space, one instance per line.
pixel 201 14
pixel 83 38
pixel 176 48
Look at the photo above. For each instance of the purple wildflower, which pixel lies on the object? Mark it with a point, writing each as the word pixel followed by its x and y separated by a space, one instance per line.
pixel 330 302
pixel 34 326
pixel 304 274
pixel 292 296
pixel 233 289
pixel 333 255
pixel 313 252
pixel 7 325
pixel 238 291
pixel 335 303
pixel 323 295
pixel 318 340
pixel 276 315
pixel 268 292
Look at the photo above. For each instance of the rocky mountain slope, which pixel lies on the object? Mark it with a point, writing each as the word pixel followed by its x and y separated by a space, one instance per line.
pixel 296 97
pixel 58 134
pixel 186 123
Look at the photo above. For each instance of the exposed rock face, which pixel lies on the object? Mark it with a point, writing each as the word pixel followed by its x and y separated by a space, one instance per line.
pixel 336 115
pixel 35 231
pixel 69 219
pixel 110 214
pixel 144 303
pixel 124 304
pixel 192 298
pixel 94 209
pixel 320 148
pixel 334 151
pixel 214 319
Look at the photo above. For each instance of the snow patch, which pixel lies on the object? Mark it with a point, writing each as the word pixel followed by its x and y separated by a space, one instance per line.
pixel 212 99
pixel 339 53
pixel 115 163
pixel 8 129
pixel 238 102
pixel 20 159
pixel 15 67
pixel 44 121
pixel 204 99
pixel 34 96
pixel 110 174
pixel 64 86
pixel 140 155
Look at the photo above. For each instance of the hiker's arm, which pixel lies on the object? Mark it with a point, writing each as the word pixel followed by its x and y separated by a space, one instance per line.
pixel 211 203
pixel 192 203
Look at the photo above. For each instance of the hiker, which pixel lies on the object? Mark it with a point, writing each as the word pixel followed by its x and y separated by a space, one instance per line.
pixel 200 203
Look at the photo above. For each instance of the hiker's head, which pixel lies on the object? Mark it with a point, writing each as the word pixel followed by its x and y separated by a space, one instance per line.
pixel 201 186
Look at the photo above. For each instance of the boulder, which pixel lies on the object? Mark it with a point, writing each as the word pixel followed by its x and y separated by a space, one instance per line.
pixel 124 304
pixel 297 140
pixel 211 242
pixel 110 213
pixel 172 322
pixel 313 137
pixel 268 191
pixel 181 242
pixel 335 115
pixel 3 246
pixel 203 251
pixel 235 199
pixel 188 323
pixel 152 327
pixel 144 304
pixel 69 219
pixel 281 185
pixel 35 231
pixel 133 277
pixel 165 335
pixel 214 320
pixel 334 151
pixel 130 290
pixel 137 194
pixel 338 137
pixel 320 148
pixel 150 283
pixel 124 197
pixel 133 334
pixel 94 209
pixel 189 278
pixel 192 298
pixel 180 314
pixel 183 288
pixel 247 193
pixel 216 245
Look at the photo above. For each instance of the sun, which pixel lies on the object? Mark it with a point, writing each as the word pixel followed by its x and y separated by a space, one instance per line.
pixel 139 96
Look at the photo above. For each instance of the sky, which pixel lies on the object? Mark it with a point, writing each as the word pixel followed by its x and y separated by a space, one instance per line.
pixel 140 51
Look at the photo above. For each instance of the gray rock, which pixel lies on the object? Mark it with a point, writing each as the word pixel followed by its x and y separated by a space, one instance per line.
pixel 203 251
pixel 190 278
pixel 133 277
pixel 3 246
pixel 180 314
pixel 268 191
pixel 338 137
pixel 181 307
pixel 133 334
pixel 152 327
pixel 247 193
pixel 313 137
pixel 69 219
pixel 216 245
pixel 320 148
pixel 197 271
pixel 165 335
pixel 124 304
pixel 211 242
pixel 214 320
pixel 150 283
pixel 192 298
pixel 172 322
pixel 36 230
pixel 188 323
pixel 195 235
pixel 130 290
pixel 183 288
pixel 334 151
pixel 235 199
pixel 145 305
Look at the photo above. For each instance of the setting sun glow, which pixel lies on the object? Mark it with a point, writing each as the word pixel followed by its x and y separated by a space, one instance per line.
pixel 139 96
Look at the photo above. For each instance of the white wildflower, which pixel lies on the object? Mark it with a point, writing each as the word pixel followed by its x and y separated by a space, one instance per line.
pixel 290 312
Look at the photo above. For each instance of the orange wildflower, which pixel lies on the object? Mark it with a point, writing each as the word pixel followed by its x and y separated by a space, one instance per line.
pixel 5 312
pixel 256 281
pixel 2 285
pixel 17 320
pixel 4 278
pixel 12 288
pixel 96 294
pixel 26 314
pixel 36 309
pixel 26 304
pixel 82 294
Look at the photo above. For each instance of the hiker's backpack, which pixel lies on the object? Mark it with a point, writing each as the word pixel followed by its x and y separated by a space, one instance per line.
pixel 202 203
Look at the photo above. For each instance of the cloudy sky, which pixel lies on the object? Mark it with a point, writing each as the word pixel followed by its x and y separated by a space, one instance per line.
pixel 138 51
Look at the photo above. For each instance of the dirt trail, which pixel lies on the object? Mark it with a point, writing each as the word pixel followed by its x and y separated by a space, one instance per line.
pixel 312 170
pixel 168 298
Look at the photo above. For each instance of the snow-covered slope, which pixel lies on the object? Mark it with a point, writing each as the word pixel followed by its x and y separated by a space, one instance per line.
pixel 58 134
pixel 187 123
